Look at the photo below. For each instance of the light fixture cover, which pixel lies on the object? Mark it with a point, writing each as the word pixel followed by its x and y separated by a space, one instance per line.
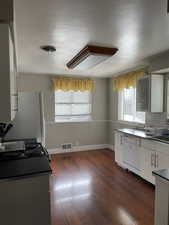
pixel 90 56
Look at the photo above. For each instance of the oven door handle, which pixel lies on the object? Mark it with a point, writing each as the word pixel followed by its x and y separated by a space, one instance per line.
pixel 46 153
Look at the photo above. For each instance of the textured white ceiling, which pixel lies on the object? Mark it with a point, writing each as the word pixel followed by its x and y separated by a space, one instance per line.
pixel 139 28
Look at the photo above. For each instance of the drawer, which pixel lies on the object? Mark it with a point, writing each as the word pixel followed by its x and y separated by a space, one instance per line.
pixel 118 138
pixel 131 140
pixel 162 147
pixel 148 144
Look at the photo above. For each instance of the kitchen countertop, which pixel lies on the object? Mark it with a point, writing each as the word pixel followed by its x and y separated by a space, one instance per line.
pixel 26 140
pixel 162 173
pixel 135 132
pixel 24 167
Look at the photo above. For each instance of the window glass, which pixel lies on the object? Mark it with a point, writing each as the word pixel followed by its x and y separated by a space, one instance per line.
pixel 127 106
pixel 72 105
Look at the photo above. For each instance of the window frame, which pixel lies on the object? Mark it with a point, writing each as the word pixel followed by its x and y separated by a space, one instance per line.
pixel 166 91
pixel 71 120
pixel 121 111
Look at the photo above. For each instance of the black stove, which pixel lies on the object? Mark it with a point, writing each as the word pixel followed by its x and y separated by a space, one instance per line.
pixel 32 149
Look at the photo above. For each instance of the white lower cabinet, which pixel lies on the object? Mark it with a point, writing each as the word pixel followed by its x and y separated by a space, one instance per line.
pixel 141 156
pixel 127 154
pixel 131 154
pixel 119 137
pixel 148 162
pixel 162 160
pixel 25 201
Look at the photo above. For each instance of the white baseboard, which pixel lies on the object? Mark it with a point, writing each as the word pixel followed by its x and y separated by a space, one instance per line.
pixel 81 148
pixel 111 147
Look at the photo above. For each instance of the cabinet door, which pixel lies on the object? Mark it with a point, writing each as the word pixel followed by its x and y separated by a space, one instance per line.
pixel 131 154
pixel 118 136
pixel 26 201
pixel 149 93
pixel 135 159
pixel 118 147
pixel 13 86
pixel 162 160
pixel 5 112
pixel 148 164
pixel 7 74
pixel 143 94
pixel 157 92
pixel 131 157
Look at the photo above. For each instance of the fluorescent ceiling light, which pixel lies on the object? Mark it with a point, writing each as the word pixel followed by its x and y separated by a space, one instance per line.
pixel 90 56
pixel 91 61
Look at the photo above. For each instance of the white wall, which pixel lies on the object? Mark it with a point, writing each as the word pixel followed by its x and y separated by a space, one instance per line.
pixel 159 62
pixel 77 133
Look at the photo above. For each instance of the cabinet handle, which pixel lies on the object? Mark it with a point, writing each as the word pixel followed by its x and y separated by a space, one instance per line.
pixel 156 160
pixel 17 102
pixel 121 140
pixel 151 159
pixel 154 156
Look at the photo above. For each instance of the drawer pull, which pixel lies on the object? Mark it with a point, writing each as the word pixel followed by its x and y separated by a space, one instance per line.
pixel 151 159
pixel 156 160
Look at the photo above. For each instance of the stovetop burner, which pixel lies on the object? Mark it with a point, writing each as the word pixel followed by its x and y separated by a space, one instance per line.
pixel 31 150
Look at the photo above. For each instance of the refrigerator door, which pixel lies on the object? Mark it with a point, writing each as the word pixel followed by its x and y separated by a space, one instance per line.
pixel 29 122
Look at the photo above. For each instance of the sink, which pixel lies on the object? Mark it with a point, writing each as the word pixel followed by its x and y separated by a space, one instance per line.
pixel 162 138
pixel 139 129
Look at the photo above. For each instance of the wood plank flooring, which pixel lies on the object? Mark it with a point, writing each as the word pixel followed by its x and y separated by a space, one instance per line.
pixel 88 188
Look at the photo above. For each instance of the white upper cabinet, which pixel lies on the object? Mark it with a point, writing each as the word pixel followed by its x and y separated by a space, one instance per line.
pixel 157 93
pixel 150 92
pixel 8 89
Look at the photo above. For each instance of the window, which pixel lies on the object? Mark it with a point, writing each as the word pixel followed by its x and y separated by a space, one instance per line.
pixel 72 105
pixel 127 106
pixel 167 97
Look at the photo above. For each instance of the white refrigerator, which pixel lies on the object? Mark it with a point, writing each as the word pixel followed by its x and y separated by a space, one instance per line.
pixel 29 120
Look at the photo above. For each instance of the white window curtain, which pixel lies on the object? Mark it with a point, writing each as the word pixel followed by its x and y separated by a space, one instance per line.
pixel 72 105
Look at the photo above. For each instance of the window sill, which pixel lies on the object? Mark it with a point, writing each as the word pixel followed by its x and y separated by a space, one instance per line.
pixel 130 123
pixel 69 121
pixel 75 121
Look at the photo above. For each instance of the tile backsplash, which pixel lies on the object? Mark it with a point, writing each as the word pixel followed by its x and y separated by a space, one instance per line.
pixel 156 119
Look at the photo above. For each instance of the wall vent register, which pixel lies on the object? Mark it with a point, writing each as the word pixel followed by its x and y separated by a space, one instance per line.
pixel 67 146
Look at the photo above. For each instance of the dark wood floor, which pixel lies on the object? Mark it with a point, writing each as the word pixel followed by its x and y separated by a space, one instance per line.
pixel 88 188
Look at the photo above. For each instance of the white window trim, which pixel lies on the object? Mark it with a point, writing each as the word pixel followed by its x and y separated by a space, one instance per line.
pixel 120 107
pixel 131 123
pixel 78 120
pixel 120 114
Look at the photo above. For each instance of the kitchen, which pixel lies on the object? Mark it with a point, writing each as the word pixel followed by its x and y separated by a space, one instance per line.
pixel 84 112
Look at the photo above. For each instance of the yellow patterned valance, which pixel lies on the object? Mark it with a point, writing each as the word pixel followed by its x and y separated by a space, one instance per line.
pixel 127 80
pixel 75 84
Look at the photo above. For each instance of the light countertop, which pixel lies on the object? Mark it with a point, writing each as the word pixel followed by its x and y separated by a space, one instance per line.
pixel 135 132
